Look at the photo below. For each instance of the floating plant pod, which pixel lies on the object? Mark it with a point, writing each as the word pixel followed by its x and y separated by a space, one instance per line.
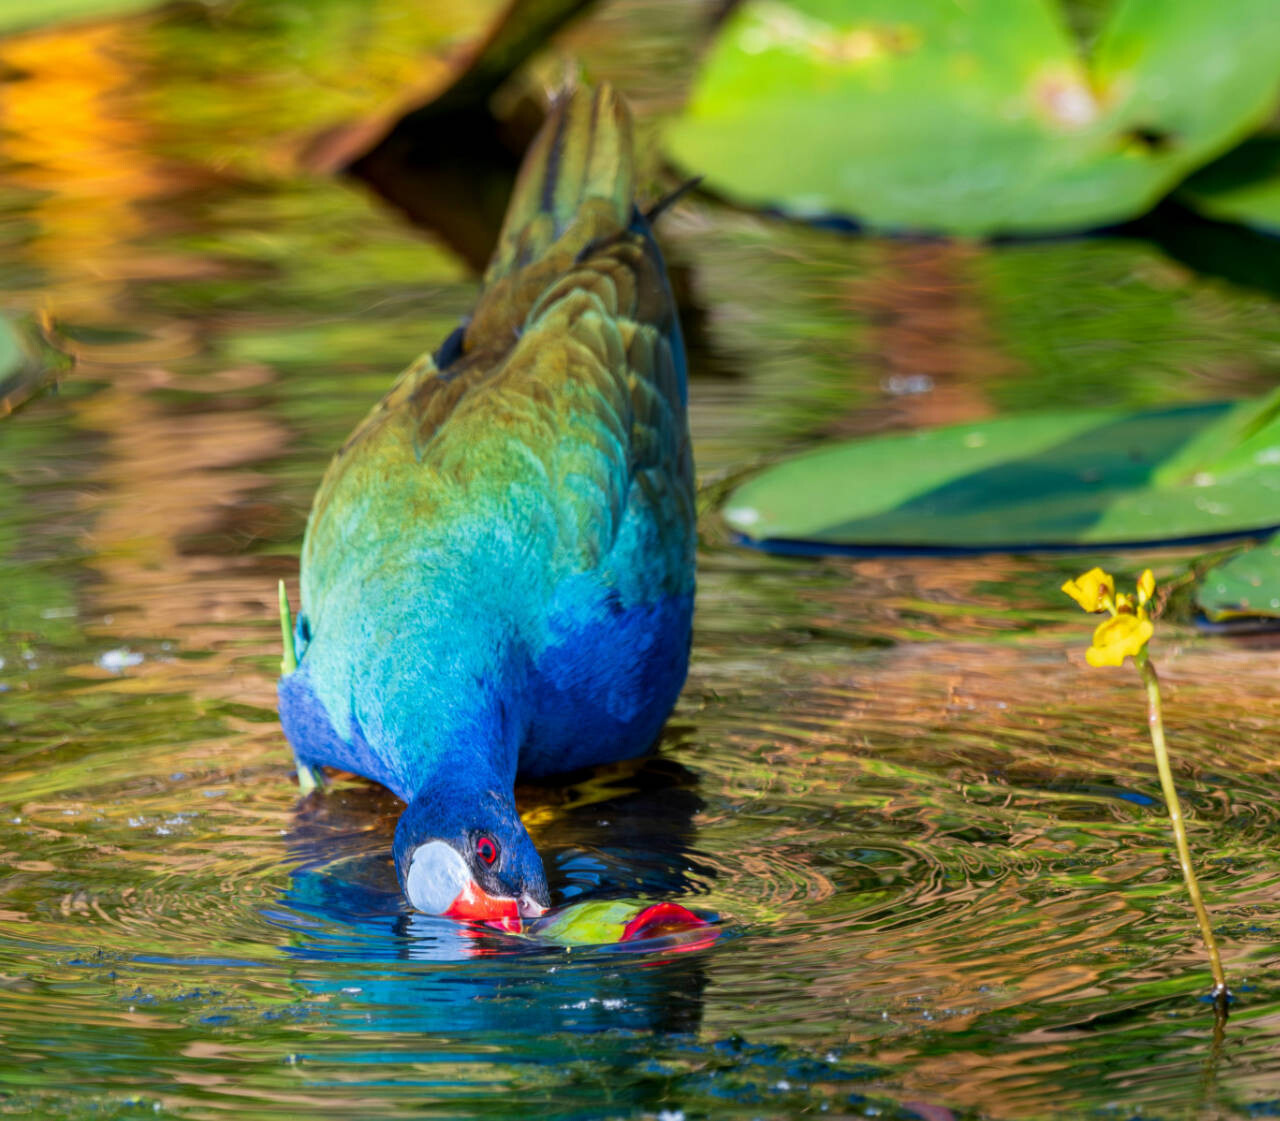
pixel 1094 477
pixel 615 920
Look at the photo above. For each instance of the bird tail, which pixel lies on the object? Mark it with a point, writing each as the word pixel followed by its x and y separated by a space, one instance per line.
pixel 578 172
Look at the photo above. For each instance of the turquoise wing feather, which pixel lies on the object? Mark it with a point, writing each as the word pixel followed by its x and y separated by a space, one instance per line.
pixel 526 491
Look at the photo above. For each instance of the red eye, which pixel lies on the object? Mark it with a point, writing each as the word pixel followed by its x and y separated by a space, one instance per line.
pixel 487 849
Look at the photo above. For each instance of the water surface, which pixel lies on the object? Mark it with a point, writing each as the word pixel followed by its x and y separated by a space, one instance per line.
pixel 933 838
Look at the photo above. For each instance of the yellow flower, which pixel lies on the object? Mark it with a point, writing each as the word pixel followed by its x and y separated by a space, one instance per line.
pixel 1117 638
pixel 1093 590
pixel 1146 587
pixel 1128 631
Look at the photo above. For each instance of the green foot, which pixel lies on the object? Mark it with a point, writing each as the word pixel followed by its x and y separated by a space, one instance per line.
pixel 310 778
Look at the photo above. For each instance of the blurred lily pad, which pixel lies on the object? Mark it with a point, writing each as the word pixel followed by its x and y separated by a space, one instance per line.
pixel 1247 586
pixel 27 362
pixel 21 15
pixel 1243 186
pixel 976 118
pixel 1053 480
pixel 248 87
pixel 415 115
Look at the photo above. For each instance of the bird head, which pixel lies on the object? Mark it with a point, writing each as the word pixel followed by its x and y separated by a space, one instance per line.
pixel 478 863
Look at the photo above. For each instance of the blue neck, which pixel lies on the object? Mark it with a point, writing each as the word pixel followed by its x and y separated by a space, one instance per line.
pixel 434 739
pixel 431 697
pixel 421 691
pixel 465 791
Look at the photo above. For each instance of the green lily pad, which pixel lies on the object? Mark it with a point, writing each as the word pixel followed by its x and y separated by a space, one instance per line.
pixel 975 118
pixel 1246 586
pixel 1243 186
pixel 1053 480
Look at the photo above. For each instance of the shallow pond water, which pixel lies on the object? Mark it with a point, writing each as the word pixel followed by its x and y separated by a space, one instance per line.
pixel 932 837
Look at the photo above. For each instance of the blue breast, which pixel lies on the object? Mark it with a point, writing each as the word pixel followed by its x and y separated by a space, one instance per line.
pixel 596 690
pixel 602 690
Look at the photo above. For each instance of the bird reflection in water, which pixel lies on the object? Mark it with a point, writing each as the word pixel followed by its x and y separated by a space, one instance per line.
pixel 622 831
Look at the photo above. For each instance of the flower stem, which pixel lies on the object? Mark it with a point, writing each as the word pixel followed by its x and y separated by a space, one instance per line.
pixel 1155 724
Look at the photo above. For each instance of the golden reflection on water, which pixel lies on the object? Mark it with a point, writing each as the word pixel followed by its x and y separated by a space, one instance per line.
pixel 70 137
pixel 170 478
pixel 930 341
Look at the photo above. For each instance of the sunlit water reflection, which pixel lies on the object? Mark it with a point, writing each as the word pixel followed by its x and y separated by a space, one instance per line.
pixel 932 837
